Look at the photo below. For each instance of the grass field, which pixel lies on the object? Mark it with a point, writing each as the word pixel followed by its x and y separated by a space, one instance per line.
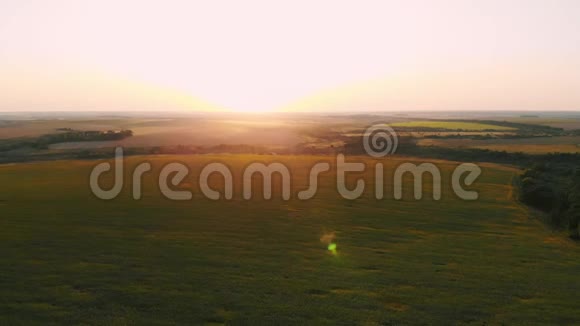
pixel 69 258
pixel 451 125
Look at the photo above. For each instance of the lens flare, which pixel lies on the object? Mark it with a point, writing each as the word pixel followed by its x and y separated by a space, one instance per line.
pixel 332 248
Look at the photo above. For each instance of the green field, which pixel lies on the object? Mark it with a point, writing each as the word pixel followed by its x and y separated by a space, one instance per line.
pixel 69 258
pixel 450 125
pixel 565 123
pixel 532 145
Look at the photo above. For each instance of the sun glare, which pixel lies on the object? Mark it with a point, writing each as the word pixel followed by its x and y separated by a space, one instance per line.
pixel 280 56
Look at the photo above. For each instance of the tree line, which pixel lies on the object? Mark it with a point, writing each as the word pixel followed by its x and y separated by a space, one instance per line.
pixel 43 142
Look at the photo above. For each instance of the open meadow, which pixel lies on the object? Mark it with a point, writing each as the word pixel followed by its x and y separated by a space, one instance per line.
pixel 70 258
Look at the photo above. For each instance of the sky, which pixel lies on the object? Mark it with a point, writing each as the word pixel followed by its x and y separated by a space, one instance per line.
pixel 298 55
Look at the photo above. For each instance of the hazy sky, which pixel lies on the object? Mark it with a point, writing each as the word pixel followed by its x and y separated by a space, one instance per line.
pixel 289 55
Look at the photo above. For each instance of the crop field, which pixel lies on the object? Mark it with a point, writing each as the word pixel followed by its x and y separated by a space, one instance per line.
pixel 533 148
pixel 68 258
pixel 534 145
pixel 163 132
pixel 451 125
pixel 565 123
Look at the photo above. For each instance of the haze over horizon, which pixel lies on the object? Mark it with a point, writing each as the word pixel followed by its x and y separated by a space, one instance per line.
pixel 262 56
